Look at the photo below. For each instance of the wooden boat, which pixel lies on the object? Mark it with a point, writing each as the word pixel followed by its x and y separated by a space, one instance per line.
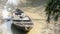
pixel 21 21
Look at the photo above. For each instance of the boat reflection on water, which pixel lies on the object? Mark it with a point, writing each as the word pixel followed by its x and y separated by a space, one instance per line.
pixel 16 31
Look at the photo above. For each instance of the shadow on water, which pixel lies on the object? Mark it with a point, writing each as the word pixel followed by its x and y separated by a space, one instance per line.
pixel 16 31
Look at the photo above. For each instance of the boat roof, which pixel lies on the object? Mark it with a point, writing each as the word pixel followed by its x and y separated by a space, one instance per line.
pixel 18 10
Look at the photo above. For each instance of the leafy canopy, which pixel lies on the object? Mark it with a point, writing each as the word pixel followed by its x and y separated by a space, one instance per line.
pixel 53 10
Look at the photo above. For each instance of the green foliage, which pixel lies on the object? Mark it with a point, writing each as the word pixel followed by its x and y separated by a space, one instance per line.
pixel 53 10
